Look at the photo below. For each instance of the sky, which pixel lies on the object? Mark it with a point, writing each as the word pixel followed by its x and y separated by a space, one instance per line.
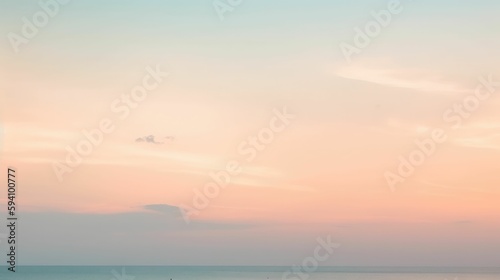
pixel 233 76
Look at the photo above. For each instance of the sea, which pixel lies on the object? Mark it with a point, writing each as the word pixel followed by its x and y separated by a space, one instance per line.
pixel 243 273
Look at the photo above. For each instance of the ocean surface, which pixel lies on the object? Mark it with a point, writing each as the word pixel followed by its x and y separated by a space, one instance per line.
pixel 242 273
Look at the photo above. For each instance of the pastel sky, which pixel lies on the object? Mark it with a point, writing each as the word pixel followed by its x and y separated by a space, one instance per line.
pixel 322 175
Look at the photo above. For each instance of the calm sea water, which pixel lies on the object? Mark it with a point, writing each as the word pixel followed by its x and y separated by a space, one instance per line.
pixel 239 273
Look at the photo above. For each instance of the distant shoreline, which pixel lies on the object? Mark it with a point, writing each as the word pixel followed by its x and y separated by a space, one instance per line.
pixel 331 269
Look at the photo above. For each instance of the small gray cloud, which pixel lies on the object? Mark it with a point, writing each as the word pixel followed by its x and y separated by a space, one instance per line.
pixel 170 138
pixel 152 139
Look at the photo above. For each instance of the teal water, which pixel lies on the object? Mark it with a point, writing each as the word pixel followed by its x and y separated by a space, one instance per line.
pixel 243 273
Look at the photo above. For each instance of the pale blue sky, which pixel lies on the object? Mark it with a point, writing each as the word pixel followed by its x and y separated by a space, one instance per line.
pixel 231 74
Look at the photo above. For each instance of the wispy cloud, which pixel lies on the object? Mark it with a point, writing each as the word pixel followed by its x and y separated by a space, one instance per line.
pixel 479 135
pixel 490 143
pixel 399 127
pixel 400 78
pixel 453 188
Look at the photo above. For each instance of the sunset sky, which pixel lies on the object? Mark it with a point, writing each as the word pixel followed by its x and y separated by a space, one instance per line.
pixel 323 174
